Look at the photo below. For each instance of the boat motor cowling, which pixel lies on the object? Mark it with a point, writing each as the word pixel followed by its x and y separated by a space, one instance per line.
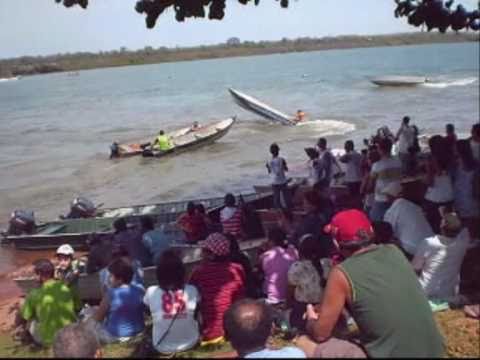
pixel 81 208
pixel 21 222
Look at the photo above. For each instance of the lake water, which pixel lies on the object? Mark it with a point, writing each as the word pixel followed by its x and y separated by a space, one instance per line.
pixel 55 130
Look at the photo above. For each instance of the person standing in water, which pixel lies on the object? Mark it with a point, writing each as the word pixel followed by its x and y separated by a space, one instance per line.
pixel 277 167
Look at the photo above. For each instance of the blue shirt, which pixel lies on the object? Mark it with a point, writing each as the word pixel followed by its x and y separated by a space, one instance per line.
pixel 284 353
pixel 157 241
pixel 125 315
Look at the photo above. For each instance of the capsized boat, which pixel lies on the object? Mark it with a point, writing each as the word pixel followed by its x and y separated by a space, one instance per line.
pixel 399 80
pixel 256 106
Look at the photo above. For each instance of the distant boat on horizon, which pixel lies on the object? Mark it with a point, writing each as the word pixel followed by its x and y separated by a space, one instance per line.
pixel 13 78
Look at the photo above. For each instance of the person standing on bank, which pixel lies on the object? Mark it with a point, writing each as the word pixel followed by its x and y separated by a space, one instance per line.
pixel 405 138
pixel 277 167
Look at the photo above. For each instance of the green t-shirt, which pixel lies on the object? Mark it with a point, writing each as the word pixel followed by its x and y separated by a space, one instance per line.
pixel 390 307
pixel 52 306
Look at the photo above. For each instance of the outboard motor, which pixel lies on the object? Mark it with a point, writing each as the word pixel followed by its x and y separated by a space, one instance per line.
pixel 114 150
pixel 21 222
pixel 81 208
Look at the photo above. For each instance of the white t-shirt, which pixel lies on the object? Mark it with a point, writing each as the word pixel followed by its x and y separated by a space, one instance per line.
pixel 405 140
pixel 465 203
pixel 440 259
pixel 409 224
pixel 353 170
pixel 388 171
pixel 277 171
pixel 441 190
pixel 184 333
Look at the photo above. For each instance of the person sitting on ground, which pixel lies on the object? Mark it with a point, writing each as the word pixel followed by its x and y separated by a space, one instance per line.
pixel 405 139
pixel 120 252
pixel 466 186
pixel 382 293
pixel 384 172
pixel 131 240
pixel 162 142
pixel 231 218
pixel 75 341
pixel 120 315
pixel 409 224
pixel 173 305
pixel 353 174
pixel 68 270
pixel 275 263
pixel 299 117
pixel 327 161
pixel 48 308
pixel 239 257
pixel 475 141
pixel 439 258
pixel 155 240
pixel 192 224
pixel 248 324
pixel 220 283
pixel 313 224
pixel 277 167
pixel 440 187
pixel 305 282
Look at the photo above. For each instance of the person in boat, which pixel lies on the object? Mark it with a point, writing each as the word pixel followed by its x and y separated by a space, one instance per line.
pixel 162 142
pixel 277 167
pixel 174 306
pixel 49 308
pixel 231 218
pixel 211 226
pixel 299 117
pixel 382 293
pixel 120 315
pixel 193 224
pixel 195 126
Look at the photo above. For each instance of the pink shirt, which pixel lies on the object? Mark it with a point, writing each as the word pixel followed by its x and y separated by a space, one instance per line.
pixel 275 264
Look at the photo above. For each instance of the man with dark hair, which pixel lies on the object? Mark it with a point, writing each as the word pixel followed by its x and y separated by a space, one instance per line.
pixel 248 324
pixel 327 160
pixel 75 341
pixel 49 307
pixel 385 172
pixel 353 173
pixel 277 167
pixel 382 293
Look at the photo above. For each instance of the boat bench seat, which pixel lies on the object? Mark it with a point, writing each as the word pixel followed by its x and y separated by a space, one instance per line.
pixel 52 229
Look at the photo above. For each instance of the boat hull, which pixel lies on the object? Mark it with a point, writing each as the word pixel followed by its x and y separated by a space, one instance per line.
pixel 251 104
pixel 399 81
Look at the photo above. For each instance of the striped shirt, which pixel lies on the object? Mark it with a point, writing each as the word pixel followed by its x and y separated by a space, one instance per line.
pixel 220 285
pixel 233 225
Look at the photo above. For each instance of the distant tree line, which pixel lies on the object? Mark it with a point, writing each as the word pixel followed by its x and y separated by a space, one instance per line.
pixel 28 65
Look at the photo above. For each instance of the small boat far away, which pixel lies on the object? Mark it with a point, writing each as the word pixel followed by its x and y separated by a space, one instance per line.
pixel 256 106
pixel 399 80
pixel 183 139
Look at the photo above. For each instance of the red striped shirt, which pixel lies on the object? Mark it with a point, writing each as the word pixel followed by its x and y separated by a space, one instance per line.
pixel 233 225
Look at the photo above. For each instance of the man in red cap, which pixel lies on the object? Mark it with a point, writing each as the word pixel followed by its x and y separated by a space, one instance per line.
pixel 220 282
pixel 380 289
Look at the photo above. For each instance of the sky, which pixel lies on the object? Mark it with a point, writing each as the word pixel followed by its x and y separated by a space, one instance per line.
pixel 42 27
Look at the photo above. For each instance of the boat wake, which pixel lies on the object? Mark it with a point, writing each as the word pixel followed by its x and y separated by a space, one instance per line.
pixel 328 126
pixel 445 84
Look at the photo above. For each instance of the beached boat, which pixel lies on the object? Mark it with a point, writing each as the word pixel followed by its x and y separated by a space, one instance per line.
pixel 89 284
pixel 76 232
pixel 256 106
pixel 399 80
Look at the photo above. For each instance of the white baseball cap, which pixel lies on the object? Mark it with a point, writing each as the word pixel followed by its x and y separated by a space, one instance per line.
pixel 65 249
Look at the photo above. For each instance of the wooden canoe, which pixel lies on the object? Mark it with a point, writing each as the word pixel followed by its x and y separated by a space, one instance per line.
pixel 206 135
